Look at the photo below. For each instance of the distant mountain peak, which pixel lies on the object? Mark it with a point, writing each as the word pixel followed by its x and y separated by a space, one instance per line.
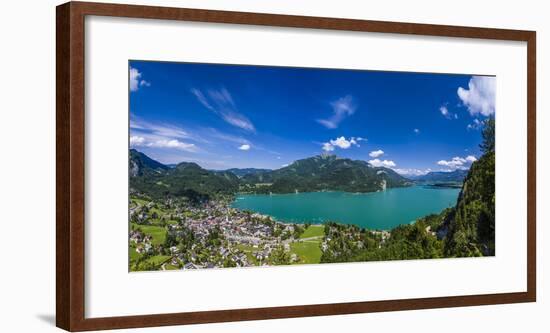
pixel 184 165
pixel 327 156
pixel 326 172
pixel 139 163
pixel 443 176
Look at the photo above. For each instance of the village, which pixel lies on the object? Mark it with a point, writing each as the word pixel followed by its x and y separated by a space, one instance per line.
pixel 175 234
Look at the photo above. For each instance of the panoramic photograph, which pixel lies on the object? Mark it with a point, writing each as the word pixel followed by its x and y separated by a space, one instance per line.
pixel 242 166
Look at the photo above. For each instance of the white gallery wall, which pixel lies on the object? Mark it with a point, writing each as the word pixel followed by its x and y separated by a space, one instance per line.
pixel 27 163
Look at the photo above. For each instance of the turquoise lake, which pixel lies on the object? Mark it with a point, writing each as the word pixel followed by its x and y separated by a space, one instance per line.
pixel 378 210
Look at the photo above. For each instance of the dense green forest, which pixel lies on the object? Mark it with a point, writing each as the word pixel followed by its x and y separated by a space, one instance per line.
pixel 471 228
pixel 187 180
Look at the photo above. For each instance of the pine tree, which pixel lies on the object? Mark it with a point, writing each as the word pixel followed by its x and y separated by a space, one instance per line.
pixel 488 136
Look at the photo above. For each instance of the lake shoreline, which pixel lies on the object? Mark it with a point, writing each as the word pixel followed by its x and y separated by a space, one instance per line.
pixel 430 186
pixel 327 191
pixel 372 210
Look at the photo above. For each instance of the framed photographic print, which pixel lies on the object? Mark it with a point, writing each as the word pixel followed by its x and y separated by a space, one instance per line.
pixel 222 166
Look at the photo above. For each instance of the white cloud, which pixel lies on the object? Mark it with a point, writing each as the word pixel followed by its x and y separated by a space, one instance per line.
pixel 458 162
pixel 355 141
pixel 376 153
pixel 341 108
pixel 328 147
pixel 201 98
pixel 412 171
pixel 479 98
pixel 140 141
pixel 341 143
pixel 224 136
pixel 446 113
pixel 158 129
pixel 238 120
pixel 174 143
pixel 416 130
pixel 284 165
pixel 471 158
pixel 155 135
pixel 221 97
pixel 136 81
pixel 455 162
pixel 475 125
pixel 221 103
pixel 385 163
pixel 244 147
pixel 137 141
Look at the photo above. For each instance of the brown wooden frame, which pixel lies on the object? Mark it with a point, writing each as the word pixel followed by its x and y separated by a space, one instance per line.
pixel 70 193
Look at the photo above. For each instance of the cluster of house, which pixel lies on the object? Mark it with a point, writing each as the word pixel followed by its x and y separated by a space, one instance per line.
pixel 142 241
pixel 140 213
pixel 191 260
pixel 237 227
pixel 384 235
pixel 354 236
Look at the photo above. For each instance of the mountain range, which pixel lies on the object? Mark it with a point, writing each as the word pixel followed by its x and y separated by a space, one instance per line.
pixel 325 172
pixel 456 176
pixel 318 173
pixel 243 172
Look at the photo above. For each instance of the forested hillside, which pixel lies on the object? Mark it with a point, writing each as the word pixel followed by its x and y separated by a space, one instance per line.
pixel 471 229
pixel 319 173
pixel 325 172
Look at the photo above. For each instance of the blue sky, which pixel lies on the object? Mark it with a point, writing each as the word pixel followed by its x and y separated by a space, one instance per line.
pixel 224 116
